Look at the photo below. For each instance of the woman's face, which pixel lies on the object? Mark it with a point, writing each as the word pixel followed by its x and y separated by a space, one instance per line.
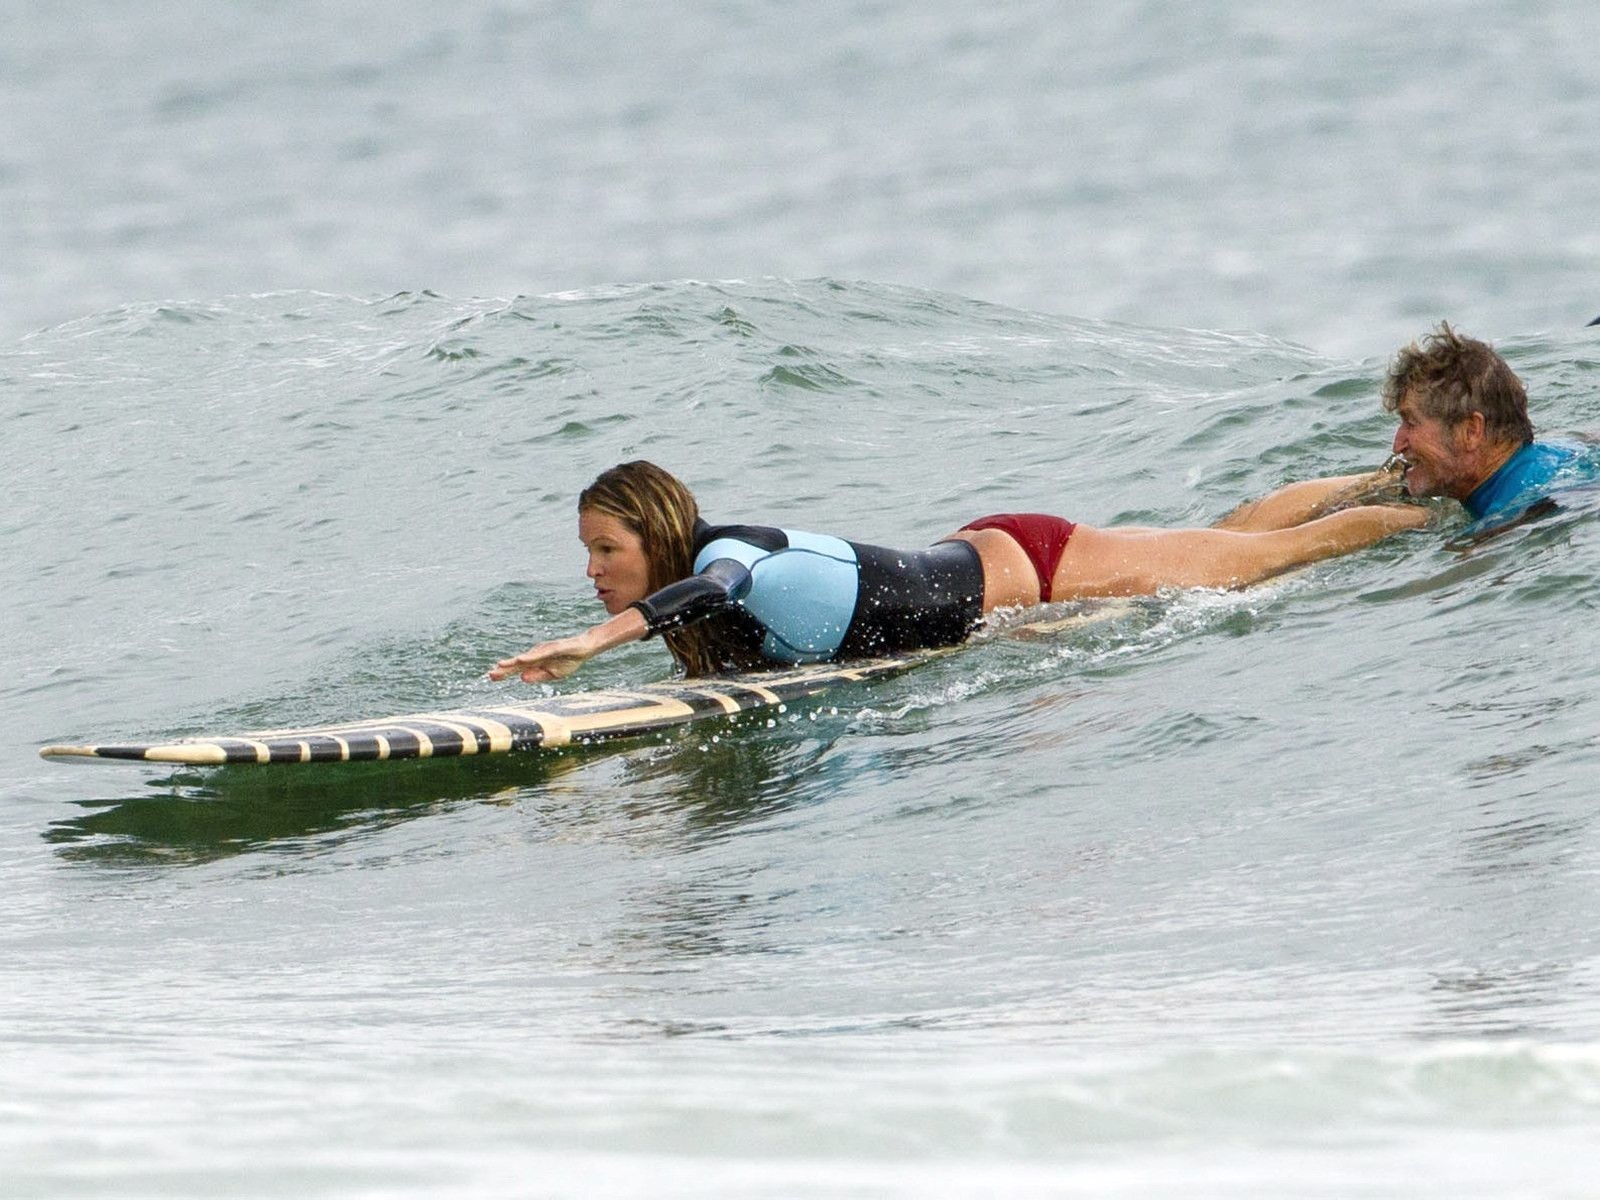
pixel 617 564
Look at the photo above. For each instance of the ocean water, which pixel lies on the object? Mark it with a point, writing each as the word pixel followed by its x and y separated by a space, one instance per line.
pixel 1338 175
pixel 318 318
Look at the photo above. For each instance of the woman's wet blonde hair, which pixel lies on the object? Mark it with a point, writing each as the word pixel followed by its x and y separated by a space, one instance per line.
pixel 656 506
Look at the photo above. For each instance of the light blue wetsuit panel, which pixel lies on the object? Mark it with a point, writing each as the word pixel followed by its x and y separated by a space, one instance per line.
pixel 804 594
pixel 1528 476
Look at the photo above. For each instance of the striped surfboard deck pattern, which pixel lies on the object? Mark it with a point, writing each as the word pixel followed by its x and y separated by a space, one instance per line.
pixel 573 719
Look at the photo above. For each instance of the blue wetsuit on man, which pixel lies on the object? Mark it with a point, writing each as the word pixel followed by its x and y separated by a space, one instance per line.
pixel 795 597
pixel 1528 477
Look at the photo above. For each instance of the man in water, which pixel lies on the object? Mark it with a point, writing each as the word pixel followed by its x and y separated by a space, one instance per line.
pixel 1465 433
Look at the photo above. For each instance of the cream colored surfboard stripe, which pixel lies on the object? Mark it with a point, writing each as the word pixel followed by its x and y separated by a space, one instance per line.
pixel 769 696
pixel 653 708
pixel 728 703
pixel 554 729
pixel 499 735
pixel 559 731
pixel 67 752
pixel 296 732
pixel 200 755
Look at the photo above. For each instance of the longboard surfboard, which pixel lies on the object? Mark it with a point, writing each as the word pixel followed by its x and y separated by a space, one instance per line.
pixel 573 719
pixel 576 718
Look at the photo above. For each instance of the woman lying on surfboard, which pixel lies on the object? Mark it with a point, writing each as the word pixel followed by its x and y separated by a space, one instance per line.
pixel 779 596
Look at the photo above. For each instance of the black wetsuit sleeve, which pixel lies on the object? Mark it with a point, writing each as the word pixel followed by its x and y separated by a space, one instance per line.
pixel 712 591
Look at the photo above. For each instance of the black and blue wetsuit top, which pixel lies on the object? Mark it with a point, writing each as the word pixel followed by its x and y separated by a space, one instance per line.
pixel 795 597
pixel 1528 476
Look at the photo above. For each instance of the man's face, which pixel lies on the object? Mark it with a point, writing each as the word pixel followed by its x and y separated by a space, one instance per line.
pixel 1438 463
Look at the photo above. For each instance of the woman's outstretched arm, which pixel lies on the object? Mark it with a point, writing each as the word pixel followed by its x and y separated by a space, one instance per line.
pixel 689 600
pixel 550 661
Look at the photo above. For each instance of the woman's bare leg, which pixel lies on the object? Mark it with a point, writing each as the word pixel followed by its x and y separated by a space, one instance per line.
pixel 1120 562
pixel 1297 503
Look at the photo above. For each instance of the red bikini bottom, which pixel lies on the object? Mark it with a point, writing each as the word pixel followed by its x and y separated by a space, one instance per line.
pixel 1043 539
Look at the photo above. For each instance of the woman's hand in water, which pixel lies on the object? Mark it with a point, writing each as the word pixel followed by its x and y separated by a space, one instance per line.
pixel 546 662
pixel 550 661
